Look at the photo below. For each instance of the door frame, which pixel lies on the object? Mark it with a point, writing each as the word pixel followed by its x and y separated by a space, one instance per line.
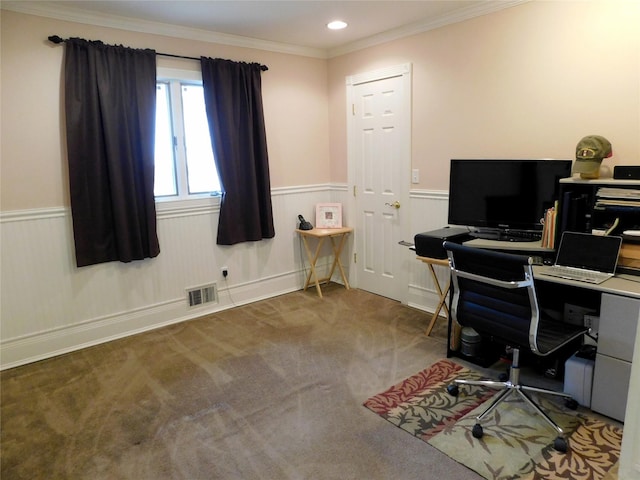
pixel 405 71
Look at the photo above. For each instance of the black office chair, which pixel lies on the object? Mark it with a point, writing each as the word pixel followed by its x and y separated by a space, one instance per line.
pixel 494 293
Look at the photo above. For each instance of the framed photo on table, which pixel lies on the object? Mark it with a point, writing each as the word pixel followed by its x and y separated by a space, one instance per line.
pixel 329 215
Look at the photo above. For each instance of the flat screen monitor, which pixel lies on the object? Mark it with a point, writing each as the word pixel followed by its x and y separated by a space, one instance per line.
pixel 498 197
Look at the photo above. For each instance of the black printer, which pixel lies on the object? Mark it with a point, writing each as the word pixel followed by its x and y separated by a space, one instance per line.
pixel 429 244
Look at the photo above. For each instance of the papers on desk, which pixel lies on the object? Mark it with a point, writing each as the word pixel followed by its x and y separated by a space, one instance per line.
pixel 618 197
pixel 620 193
pixel 619 209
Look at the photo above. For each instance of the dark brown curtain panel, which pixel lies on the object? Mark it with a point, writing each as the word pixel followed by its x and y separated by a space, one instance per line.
pixel 233 99
pixel 110 101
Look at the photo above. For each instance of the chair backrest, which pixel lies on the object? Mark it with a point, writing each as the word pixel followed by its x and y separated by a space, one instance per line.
pixel 494 293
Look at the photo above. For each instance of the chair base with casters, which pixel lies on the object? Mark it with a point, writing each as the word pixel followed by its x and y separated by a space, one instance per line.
pixel 509 387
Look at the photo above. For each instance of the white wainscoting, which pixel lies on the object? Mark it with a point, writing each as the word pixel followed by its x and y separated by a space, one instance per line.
pixel 50 307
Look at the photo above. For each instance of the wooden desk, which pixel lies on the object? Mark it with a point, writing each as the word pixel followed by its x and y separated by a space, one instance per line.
pixel 321 234
pixel 442 303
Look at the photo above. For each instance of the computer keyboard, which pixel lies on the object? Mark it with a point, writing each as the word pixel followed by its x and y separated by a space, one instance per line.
pixel 576 274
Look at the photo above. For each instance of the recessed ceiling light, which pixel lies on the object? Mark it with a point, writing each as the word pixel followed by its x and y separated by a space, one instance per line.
pixel 336 25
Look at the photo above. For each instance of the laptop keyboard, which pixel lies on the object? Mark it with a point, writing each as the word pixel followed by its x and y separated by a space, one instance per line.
pixel 577 274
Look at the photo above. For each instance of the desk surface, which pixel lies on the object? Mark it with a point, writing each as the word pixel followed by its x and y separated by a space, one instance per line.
pixel 625 285
pixel 501 245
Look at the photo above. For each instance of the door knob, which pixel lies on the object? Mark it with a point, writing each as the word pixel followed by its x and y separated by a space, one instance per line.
pixel 395 204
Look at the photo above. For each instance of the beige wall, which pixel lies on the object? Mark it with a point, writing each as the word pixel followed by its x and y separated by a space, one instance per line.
pixel 526 82
pixel 33 158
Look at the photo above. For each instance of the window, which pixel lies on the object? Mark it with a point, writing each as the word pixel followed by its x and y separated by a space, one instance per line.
pixel 184 164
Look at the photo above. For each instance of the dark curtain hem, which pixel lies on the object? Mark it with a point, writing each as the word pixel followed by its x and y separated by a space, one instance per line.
pixel 233 99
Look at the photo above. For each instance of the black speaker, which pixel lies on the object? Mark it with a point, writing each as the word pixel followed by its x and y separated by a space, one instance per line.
pixel 626 172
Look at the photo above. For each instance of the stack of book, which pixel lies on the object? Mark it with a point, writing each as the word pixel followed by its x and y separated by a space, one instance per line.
pixel 549 227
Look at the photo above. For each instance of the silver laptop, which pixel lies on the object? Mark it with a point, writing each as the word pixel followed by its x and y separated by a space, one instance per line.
pixel 585 257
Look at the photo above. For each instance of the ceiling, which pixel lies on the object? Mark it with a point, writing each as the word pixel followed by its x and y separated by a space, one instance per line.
pixel 300 23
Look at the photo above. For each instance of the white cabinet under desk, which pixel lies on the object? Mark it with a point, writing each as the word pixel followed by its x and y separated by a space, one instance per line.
pixel 617 332
pixel 619 318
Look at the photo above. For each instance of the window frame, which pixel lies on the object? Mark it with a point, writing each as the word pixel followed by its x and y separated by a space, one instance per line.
pixel 183 201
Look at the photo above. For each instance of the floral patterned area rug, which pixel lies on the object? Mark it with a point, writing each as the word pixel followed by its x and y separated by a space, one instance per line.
pixel 517 444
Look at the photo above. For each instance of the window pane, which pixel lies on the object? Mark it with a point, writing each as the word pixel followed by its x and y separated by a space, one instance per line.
pixel 201 170
pixel 165 167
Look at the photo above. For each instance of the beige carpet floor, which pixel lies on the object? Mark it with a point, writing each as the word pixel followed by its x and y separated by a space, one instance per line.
pixel 270 390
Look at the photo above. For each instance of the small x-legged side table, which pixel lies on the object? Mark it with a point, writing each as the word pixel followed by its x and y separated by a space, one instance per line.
pixel 321 234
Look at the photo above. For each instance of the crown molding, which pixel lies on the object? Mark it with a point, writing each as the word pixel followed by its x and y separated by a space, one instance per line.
pixel 460 15
pixel 62 12
pixel 65 13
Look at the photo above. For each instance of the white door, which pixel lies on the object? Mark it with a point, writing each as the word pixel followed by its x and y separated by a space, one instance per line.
pixel 379 116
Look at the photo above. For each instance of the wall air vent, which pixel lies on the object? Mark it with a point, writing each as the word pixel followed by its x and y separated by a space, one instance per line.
pixel 201 295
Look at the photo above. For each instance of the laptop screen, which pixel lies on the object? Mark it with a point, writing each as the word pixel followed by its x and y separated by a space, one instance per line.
pixel 593 252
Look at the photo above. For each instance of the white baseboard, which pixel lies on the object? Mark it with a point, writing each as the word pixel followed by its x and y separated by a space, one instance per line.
pixel 422 298
pixel 43 345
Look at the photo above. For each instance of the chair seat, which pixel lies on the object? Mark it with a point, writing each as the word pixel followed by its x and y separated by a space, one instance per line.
pixel 553 334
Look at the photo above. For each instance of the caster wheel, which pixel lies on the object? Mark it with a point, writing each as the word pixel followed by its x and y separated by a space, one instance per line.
pixel 560 444
pixel 477 431
pixel 452 390
pixel 571 404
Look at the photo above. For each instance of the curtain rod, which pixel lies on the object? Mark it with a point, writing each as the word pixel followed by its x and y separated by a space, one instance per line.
pixel 57 40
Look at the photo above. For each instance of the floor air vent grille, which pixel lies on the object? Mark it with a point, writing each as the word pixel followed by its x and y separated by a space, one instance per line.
pixel 201 295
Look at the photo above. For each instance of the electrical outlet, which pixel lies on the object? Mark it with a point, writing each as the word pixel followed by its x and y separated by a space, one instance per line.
pixel 593 322
pixel 225 272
